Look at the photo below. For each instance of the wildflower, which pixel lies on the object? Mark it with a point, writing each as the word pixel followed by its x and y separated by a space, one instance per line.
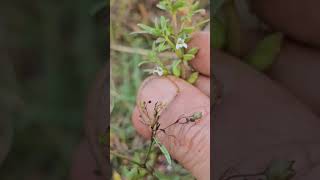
pixel 158 71
pixel 181 44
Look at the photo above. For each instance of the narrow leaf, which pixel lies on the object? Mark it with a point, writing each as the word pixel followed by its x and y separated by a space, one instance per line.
pixel 163 150
pixel 193 51
pixel 143 62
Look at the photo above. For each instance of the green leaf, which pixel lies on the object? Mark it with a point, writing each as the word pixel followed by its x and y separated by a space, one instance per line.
pixel 176 69
pixel 162 47
pixel 193 77
pixel 265 52
pixel 187 30
pixel 202 23
pixel 162 5
pixel 146 28
pixel 178 4
pixel 164 151
pixel 143 62
pixel 188 57
pixel 193 51
pixel 160 40
pixel 149 29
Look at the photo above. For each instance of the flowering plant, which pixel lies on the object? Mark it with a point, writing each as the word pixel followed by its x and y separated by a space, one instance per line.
pixel 172 35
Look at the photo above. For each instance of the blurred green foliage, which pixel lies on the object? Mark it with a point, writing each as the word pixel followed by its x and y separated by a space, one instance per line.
pixel 56 47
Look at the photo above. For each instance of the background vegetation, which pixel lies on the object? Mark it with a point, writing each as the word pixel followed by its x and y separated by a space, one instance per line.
pixel 126 78
pixel 50 53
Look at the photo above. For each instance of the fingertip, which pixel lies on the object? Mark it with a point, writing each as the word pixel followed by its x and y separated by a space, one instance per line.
pixel 201 62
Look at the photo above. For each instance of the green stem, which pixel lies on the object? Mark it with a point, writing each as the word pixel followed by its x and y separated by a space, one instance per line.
pixel 170 42
pixel 144 166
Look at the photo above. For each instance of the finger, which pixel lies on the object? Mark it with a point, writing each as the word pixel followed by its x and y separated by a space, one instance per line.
pixel 296 68
pixel 203 83
pixel 188 143
pixel 201 62
pixel 260 120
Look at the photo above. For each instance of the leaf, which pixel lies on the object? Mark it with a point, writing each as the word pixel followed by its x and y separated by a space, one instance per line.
pixel 176 69
pixel 164 151
pixel 143 62
pixel 265 52
pixel 188 57
pixel 162 5
pixel 139 32
pixel 193 51
pixel 160 40
pixel 162 47
pixel 193 77
pixel 149 29
pixel 179 4
pixel 187 30
pixel 200 24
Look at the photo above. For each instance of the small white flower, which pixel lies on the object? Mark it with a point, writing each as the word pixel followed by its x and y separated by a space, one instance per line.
pixel 158 71
pixel 181 44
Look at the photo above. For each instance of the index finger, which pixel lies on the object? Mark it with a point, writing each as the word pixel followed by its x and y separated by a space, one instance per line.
pixel 201 62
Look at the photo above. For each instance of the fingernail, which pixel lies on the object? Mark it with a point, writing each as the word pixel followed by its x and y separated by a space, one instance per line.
pixel 157 89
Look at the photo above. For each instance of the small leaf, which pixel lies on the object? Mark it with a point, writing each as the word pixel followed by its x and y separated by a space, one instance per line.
pixel 193 51
pixel 188 57
pixel 164 151
pixel 193 77
pixel 176 69
pixel 146 28
pixel 265 52
pixel 139 32
pixel 149 29
pixel 187 30
pixel 143 62
pixel 179 4
pixel 160 40
pixel 162 6
pixel 200 24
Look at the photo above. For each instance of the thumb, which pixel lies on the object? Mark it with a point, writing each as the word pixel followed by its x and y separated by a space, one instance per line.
pixel 188 143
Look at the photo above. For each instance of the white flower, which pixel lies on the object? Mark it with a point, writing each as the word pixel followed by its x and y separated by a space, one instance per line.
pixel 158 71
pixel 181 44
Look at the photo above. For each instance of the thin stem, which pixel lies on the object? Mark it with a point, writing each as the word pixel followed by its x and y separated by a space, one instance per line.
pixel 149 149
pixel 170 42
pixel 143 52
pixel 144 166
pixel 126 158
pixel 174 21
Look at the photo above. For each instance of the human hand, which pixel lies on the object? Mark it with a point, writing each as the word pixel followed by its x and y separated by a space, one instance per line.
pixel 191 145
